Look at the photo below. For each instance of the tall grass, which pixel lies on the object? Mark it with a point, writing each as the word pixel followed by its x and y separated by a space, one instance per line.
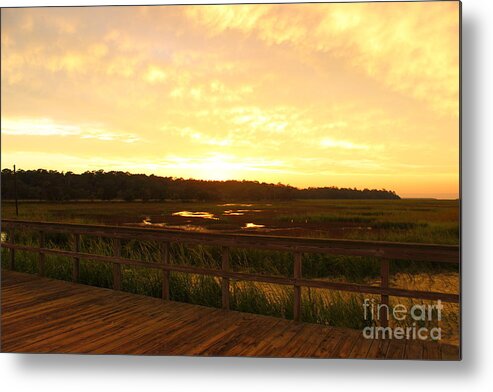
pixel 318 306
pixel 267 299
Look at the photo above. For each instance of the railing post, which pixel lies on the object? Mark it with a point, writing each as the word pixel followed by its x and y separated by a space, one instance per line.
pixel 225 280
pixel 41 266
pixel 117 268
pixel 76 261
pixel 164 255
pixel 384 299
pixel 12 250
pixel 297 288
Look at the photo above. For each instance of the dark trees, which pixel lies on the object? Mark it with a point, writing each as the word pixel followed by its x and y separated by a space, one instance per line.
pixel 99 185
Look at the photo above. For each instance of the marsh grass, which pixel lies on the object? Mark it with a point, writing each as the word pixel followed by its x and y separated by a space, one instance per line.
pixel 260 298
pixel 323 218
pixel 422 221
pixel 327 307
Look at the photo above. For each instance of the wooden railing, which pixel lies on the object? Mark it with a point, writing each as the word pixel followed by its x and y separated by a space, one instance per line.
pixel 385 251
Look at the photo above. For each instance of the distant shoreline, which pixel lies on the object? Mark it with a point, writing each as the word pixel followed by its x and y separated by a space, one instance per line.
pixel 54 185
pixel 219 201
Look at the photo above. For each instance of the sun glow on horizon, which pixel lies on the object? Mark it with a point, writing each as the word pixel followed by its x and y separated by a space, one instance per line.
pixel 349 95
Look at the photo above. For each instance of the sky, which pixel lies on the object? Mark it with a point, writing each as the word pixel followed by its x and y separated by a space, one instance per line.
pixel 349 95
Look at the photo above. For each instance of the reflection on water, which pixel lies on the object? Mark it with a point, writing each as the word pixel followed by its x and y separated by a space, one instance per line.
pixel 195 214
pixel 235 204
pixel 147 222
pixel 252 226
pixel 238 212
pixel 233 212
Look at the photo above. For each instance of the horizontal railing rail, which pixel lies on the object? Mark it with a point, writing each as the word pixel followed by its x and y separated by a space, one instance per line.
pixel 385 251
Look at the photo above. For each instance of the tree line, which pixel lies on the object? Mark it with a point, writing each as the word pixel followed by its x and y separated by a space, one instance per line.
pixel 116 185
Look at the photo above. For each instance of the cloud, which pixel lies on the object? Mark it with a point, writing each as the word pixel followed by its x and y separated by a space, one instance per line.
pixel 221 18
pixel 48 127
pixel 189 88
pixel 411 47
pixel 301 93
pixel 155 74
pixel 344 144
pixel 203 138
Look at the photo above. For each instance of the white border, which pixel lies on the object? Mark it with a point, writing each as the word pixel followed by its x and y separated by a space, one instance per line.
pixel 126 373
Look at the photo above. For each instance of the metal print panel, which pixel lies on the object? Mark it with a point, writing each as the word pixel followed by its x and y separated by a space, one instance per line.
pixel 262 180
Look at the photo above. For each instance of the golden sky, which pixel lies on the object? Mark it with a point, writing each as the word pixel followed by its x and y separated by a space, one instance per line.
pixel 351 95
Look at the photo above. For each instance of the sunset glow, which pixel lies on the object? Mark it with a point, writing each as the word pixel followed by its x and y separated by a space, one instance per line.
pixel 350 95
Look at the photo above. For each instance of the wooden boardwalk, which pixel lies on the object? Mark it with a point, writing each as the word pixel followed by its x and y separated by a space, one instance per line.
pixel 46 315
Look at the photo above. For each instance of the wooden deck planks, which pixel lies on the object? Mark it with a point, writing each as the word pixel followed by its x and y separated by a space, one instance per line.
pixel 47 315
